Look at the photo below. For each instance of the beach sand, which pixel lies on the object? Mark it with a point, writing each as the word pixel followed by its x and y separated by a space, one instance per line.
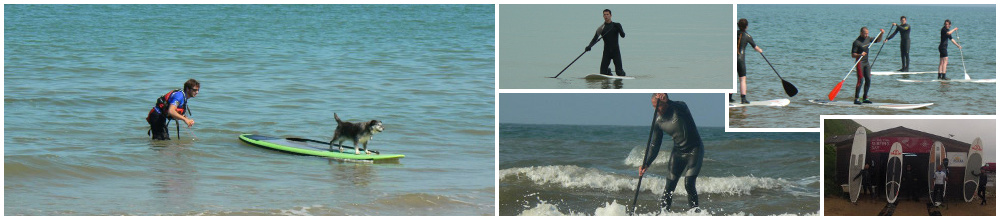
pixel 841 206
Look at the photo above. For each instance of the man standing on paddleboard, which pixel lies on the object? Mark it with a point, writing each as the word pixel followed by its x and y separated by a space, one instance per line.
pixel 943 49
pixel 171 106
pixel 610 32
pixel 742 39
pixel 860 51
pixel 904 42
pixel 674 118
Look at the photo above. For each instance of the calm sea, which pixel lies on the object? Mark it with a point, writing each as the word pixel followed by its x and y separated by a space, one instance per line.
pixel 810 47
pixel 592 170
pixel 79 80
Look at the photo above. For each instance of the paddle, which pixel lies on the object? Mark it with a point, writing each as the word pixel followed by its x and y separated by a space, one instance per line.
pixel 957 38
pixel 324 142
pixel 880 49
pixel 581 54
pixel 648 141
pixel 833 94
pixel 789 88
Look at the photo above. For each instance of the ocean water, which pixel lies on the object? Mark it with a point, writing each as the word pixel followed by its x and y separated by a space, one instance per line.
pixel 593 170
pixel 79 80
pixel 810 47
pixel 665 46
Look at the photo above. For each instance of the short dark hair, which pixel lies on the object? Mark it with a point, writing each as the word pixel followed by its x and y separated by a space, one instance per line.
pixel 902 17
pixel 191 83
pixel 947 21
pixel 862 29
pixel 742 24
pixel 607 10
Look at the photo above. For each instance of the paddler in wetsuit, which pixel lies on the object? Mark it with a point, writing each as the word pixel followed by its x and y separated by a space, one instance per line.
pixel 860 50
pixel 742 39
pixel 904 42
pixel 611 51
pixel 674 118
pixel 943 49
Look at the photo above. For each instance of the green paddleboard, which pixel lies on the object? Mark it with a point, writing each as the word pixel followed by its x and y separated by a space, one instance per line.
pixel 313 148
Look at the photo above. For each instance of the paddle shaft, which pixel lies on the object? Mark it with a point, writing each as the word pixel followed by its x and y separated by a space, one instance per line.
pixel 859 59
pixel 581 54
pixel 880 49
pixel 648 141
pixel 957 38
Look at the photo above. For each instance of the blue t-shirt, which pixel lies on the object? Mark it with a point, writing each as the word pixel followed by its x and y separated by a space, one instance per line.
pixel 176 98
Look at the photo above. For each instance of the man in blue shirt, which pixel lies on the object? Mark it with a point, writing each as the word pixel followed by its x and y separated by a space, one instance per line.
pixel 171 106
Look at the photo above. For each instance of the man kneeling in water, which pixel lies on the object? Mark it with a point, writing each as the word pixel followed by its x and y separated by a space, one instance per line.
pixel 674 118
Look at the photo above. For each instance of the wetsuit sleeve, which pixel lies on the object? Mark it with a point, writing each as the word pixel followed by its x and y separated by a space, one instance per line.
pixel 597 37
pixel 654 146
pixel 620 30
pixel 893 34
pixel 750 40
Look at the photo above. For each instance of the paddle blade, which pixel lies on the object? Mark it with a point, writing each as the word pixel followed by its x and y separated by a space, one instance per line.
pixel 833 94
pixel 789 88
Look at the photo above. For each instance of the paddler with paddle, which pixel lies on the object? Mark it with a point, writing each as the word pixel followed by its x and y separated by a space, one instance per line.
pixel 607 31
pixel 674 118
pixel 742 39
pixel 860 53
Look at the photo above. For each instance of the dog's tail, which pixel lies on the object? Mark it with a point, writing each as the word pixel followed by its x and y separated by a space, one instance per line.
pixel 337 118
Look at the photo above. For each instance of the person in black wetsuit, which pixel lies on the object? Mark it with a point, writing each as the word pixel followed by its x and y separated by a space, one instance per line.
pixel 910 182
pixel 982 184
pixel 742 39
pixel 866 180
pixel 904 42
pixel 860 51
pixel 611 50
pixel 943 49
pixel 674 118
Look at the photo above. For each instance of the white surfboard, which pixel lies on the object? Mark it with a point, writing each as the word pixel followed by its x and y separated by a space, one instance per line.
pixel 602 76
pixel 857 163
pixel 773 102
pixel 889 73
pixel 936 159
pixel 972 164
pixel 894 172
pixel 953 80
pixel 873 105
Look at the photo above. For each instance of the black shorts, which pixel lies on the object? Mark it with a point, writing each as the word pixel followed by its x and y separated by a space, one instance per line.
pixel 943 51
pixel 158 126
pixel 741 68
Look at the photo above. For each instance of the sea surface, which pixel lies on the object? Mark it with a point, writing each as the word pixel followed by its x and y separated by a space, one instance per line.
pixel 593 170
pixel 810 47
pixel 79 80
pixel 665 46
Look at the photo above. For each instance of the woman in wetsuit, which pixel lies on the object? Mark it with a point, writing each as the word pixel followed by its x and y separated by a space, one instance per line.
pixel 943 49
pixel 742 39
pixel 674 118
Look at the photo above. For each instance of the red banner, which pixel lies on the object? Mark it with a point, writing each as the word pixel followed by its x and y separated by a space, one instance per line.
pixel 910 144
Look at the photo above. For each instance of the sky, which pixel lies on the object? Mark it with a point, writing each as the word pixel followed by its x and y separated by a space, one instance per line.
pixel 965 130
pixel 603 109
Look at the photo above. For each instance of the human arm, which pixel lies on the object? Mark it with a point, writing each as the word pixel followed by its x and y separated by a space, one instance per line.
pixel 893 33
pixel 597 37
pixel 621 31
pixel 172 111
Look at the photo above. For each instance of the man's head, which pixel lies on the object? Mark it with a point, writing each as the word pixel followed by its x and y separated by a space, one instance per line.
pixel 864 31
pixel 607 15
pixel 191 88
pixel 947 23
pixel 660 101
pixel 902 19
pixel 742 24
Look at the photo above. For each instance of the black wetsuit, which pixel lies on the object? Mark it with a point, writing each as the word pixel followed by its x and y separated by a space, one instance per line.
pixel 863 68
pixel 910 183
pixel 904 44
pixel 866 181
pixel 742 39
pixel 687 153
pixel 611 49
pixel 943 47
pixel 982 186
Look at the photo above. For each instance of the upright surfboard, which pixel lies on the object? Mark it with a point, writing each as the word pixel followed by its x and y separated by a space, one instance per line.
pixel 894 172
pixel 857 162
pixel 973 163
pixel 933 161
pixel 773 102
pixel 602 76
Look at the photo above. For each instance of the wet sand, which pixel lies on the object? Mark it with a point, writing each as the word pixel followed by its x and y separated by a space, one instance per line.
pixel 866 206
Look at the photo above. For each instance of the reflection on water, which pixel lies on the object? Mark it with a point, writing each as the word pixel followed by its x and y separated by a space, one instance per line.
pixel 604 83
pixel 176 176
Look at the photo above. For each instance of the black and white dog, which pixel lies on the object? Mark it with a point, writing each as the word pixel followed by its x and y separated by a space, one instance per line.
pixel 357 132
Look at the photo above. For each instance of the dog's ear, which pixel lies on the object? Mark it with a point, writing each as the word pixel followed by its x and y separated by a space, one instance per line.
pixel 374 122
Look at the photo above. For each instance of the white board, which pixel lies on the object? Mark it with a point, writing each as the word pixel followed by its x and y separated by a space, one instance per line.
pixel 873 105
pixel 894 172
pixel 773 102
pixel 857 162
pixel 602 76
pixel 972 164
pixel 953 80
pixel 889 73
